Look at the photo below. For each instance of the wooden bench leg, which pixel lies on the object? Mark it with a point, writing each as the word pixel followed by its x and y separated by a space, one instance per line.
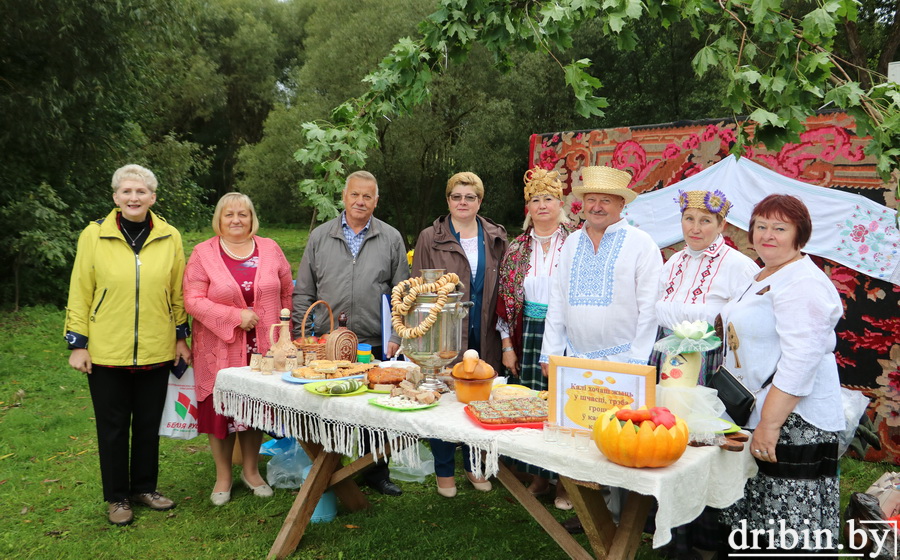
pixel 540 514
pixel 631 526
pixel 301 512
pixel 590 506
pixel 346 490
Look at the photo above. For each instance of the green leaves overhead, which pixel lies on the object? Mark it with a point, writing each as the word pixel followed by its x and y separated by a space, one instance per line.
pixel 779 62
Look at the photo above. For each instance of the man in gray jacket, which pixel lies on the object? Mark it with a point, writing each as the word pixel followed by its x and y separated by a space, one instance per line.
pixel 350 262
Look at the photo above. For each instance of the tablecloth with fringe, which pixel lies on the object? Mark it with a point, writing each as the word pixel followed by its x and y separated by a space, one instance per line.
pixel 703 476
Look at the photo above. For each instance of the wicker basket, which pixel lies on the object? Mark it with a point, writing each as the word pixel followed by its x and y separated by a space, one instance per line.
pixel 316 349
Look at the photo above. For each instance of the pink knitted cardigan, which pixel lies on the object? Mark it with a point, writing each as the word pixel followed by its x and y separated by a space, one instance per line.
pixel 213 298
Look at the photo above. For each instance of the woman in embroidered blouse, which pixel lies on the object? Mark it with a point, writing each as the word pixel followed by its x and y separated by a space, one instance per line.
pixel 471 246
pixel 698 280
pixel 783 321
pixel 525 271
pixel 235 286
pixel 695 283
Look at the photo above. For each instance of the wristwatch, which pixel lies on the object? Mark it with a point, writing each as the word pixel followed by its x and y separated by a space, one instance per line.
pixel 507 349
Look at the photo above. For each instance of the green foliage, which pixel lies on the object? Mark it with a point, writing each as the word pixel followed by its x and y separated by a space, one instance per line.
pixel 43 241
pixel 779 66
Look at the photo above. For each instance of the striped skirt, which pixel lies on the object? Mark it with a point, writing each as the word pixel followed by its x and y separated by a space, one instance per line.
pixel 530 375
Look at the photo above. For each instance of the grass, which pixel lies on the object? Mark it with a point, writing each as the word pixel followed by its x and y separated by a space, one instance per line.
pixel 51 501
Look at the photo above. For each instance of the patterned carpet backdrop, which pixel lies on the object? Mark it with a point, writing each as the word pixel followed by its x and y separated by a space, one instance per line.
pixel 830 155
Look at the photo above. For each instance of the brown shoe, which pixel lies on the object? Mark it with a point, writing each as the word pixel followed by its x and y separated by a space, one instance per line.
pixel 154 500
pixel 120 513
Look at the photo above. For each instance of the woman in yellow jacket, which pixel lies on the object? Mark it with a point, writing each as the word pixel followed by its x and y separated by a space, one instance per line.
pixel 126 326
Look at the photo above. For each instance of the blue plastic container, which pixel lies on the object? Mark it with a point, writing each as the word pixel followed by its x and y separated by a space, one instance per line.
pixel 326 509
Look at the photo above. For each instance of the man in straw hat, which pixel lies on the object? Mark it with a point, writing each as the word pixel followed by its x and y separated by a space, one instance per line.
pixel 603 294
pixel 602 302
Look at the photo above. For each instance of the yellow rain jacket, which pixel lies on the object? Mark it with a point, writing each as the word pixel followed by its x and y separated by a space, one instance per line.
pixel 127 309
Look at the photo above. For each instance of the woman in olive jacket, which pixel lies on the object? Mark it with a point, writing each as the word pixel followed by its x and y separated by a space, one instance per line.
pixel 471 246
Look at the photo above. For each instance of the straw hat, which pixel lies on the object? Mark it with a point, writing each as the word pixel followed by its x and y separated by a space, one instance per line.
pixel 605 180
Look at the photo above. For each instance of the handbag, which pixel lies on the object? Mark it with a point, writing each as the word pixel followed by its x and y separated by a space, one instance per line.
pixel 179 417
pixel 739 401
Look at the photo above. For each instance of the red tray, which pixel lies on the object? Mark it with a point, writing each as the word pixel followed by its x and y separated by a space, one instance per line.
pixel 535 425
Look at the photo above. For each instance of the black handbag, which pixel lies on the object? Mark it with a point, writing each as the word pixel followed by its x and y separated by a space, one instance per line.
pixel 739 401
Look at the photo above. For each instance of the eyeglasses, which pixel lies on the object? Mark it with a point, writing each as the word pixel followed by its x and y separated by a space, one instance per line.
pixel 456 197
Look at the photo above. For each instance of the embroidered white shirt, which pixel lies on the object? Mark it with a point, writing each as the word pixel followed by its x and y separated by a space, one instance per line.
pixel 537 279
pixel 602 304
pixel 694 285
pixel 786 324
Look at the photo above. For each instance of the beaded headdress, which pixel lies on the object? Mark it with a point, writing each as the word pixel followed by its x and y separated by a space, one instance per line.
pixel 713 202
pixel 540 181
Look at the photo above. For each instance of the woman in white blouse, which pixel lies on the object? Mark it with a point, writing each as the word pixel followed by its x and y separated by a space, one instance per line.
pixel 698 280
pixel 780 328
pixel 525 271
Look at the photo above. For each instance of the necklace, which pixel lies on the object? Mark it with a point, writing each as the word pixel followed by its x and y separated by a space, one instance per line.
pixel 235 257
pixel 134 239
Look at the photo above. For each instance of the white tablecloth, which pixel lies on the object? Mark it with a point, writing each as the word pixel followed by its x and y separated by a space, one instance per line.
pixel 704 476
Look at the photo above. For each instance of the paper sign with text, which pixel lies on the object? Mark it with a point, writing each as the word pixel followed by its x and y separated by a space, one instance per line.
pixel 581 390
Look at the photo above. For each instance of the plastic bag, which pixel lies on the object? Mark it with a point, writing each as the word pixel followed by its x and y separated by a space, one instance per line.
pixel 285 468
pixel 399 471
pixel 855 404
pixel 276 446
pixel 179 417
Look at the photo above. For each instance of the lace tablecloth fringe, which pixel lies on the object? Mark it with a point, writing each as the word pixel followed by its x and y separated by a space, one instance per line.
pixel 341 437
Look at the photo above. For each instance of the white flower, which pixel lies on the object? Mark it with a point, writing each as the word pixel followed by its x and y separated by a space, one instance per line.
pixel 698 330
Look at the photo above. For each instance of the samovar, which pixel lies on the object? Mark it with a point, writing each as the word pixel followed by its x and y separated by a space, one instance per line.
pixel 441 341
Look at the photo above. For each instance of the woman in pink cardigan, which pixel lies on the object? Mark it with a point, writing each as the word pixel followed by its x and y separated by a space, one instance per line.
pixel 235 285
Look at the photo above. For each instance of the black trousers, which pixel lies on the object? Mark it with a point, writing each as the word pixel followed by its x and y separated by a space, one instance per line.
pixel 128 403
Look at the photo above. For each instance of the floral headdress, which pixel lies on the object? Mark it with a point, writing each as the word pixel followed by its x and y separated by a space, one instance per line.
pixel 539 181
pixel 687 337
pixel 713 202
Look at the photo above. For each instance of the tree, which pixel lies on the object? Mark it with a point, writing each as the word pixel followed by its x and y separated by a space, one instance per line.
pixel 778 68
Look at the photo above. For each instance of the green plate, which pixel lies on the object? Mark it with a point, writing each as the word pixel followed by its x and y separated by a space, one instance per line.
pixel 316 388
pixel 374 401
pixel 728 427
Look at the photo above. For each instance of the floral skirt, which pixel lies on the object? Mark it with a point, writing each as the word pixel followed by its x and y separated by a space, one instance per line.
pixel 802 489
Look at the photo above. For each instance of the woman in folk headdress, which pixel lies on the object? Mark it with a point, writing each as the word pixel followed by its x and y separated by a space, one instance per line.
pixel 525 272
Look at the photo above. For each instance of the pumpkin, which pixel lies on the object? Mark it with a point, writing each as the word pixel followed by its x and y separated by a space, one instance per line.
pixel 647 445
pixel 472 367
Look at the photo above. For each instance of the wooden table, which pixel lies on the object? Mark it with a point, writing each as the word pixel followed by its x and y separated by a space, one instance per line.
pixel 703 476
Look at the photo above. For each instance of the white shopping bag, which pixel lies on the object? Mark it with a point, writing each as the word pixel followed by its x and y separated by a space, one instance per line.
pixel 179 418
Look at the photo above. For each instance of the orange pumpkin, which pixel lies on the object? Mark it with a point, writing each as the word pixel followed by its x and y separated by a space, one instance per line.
pixel 645 446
